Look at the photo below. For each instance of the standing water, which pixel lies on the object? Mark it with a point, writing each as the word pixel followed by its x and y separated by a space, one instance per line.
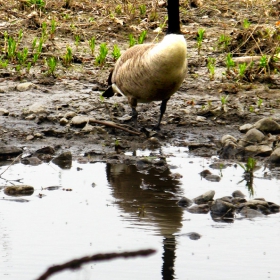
pixel 101 208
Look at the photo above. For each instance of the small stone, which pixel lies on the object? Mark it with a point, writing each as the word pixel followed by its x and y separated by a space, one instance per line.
pixel 31 117
pixel 245 127
pixel 4 112
pixel 258 150
pixel 19 190
pixel 38 135
pixel 79 121
pixel 204 198
pixel 69 115
pixel 36 108
pixel 275 156
pixel 267 125
pixel 88 128
pixel 185 202
pixel 64 160
pixel 29 137
pixel 238 193
pixel 34 161
pixel 199 209
pixel 221 208
pixel 228 138
pixel 63 121
pixel 7 152
pixel 200 119
pixel 251 137
pixel 24 86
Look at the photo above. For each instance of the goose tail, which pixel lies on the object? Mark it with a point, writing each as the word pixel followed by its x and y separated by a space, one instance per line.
pixel 108 92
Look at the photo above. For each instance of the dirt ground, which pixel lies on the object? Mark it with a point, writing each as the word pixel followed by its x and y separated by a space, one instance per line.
pixel 209 104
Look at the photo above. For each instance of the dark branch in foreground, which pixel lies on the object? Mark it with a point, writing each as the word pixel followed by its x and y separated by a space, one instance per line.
pixel 74 264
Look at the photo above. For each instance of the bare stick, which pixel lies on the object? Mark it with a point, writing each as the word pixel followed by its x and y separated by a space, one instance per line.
pixel 112 124
pixel 19 156
pixel 74 264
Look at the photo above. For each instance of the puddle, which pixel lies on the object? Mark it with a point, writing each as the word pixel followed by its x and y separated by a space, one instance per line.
pixel 101 208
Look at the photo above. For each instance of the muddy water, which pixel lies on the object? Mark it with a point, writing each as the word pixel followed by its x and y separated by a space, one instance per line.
pixel 100 207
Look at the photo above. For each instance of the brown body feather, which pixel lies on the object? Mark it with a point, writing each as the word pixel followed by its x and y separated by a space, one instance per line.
pixel 150 72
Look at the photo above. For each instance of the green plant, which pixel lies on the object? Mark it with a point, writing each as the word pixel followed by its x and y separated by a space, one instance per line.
pixel 224 100
pixel 142 9
pixel 91 43
pixel 51 62
pixel 263 62
pixel 40 45
pixel 12 45
pixel 132 40
pixel 249 166
pixel 142 37
pixel 199 38
pixel 35 57
pixel 211 67
pixel 224 41
pixel 118 9
pixel 22 56
pixel 259 102
pixel 77 40
pixel 39 3
pixel 44 31
pixel 229 62
pixel 116 53
pixel 103 51
pixel 53 29
pixel 34 43
pixel 67 58
pixel 3 63
pixel 242 70
pixel 246 24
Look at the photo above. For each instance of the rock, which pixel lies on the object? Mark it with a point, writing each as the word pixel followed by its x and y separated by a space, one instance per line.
pixel 31 117
pixel 185 202
pixel 63 121
pixel 79 121
pixel 7 152
pixel 273 207
pixel 34 161
pixel 258 150
pixel 18 190
pixel 199 209
pixel 192 235
pixel 229 150
pixel 46 150
pixel 64 160
pixel 88 128
pixel 29 137
pixel 36 108
pixel 245 127
pixel 251 137
pixel 212 178
pixel 238 200
pixel 275 156
pixel 222 208
pixel 204 198
pixel 228 138
pixel 250 213
pixel 267 125
pixel 238 193
pixel 4 112
pixel 24 86
pixel 69 115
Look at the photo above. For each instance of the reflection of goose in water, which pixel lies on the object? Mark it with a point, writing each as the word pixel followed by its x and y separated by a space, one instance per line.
pixel 156 193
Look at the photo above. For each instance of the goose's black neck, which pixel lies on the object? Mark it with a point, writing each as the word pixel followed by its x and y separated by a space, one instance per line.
pixel 173 17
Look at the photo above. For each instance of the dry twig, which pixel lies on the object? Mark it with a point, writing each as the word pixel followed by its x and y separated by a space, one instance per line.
pixel 74 264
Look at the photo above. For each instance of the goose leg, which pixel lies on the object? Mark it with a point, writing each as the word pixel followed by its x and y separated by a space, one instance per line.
pixel 133 105
pixel 162 111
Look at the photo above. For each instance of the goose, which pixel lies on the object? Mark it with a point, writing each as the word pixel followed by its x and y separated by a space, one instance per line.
pixel 152 71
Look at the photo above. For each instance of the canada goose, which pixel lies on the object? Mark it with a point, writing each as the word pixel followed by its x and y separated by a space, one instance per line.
pixel 152 72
